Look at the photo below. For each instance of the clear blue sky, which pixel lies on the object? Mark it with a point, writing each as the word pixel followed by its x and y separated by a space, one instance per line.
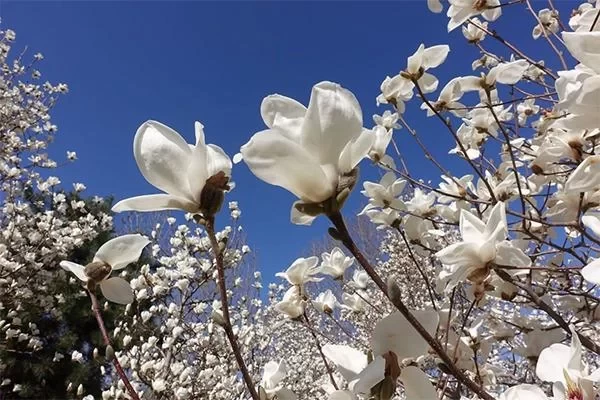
pixel 126 62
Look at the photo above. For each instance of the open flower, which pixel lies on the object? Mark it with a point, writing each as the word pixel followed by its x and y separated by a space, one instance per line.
pixel 394 339
pixel 312 152
pixel 113 255
pixel 563 365
pixel 193 177
pixel 461 10
pixel 483 245
pixel 271 388
pixel 335 263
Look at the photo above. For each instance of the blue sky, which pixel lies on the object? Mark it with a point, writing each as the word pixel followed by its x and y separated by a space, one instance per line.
pixel 177 62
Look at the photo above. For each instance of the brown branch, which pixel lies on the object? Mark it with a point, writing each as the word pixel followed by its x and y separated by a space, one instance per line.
pixel 210 231
pixel 394 296
pixel 115 360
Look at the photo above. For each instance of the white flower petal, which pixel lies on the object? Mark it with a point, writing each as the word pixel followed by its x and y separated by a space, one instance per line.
pixel 281 111
pixel 162 156
pixel 591 272
pixel 417 385
pixel 394 333
pixel 122 250
pixel 349 361
pixel 523 392
pixel 552 362
pixel 117 290
pixel 370 376
pixel 434 56
pixel 298 218
pixel 280 161
pixel 586 176
pixel 155 202
pixel 511 256
pixel 75 268
pixel 333 119
pixel 585 47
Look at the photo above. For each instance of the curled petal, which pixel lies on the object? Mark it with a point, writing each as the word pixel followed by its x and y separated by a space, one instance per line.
pixel 75 268
pixel 155 202
pixel 122 250
pixel 416 384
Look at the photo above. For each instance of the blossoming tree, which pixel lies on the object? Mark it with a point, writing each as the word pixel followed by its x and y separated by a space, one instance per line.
pixel 481 278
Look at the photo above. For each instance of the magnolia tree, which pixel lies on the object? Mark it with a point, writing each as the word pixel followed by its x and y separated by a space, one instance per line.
pixel 484 284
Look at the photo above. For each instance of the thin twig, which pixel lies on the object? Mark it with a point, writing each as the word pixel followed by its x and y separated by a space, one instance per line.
pixel 210 231
pixel 115 360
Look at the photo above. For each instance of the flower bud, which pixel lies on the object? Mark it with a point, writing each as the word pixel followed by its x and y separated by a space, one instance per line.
pixel 212 195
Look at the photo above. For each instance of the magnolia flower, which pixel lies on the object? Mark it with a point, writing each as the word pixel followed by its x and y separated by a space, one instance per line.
pixel 483 245
pixel 563 365
pixel 113 255
pixel 396 91
pixel 270 384
pixel 353 302
pixel 455 187
pixel 193 177
pixel 383 137
pixel 387 120
pixel 292 305
pixel 360 280
pixel 461 10
pixel 385 193
pixel 448 100
pixel 301 271
pixel 326 301
pixel 393 340
pixel 526 109
pixel 473 33
pixel 335 263
pixel 421 61
pixel 312 152
pixel 506 73
pixel 548 23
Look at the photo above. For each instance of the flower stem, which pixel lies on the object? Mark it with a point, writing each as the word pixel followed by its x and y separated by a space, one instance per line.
pixel 115 360
pixel 318 344
pixel 210 230
pixel 393 295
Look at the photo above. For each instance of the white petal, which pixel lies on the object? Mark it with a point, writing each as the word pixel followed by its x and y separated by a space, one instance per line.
pixel 163 158
pixel 298 218
pixel 74 268
pixel 280 111
pixel 591 220
pixel 349 361
pixel 155 202
pixel 435 55
pixel 435 6
pixel 552 361
pixel 355 151
pixel 511 256
pixel 341 395
pixel 394 333
pixel 122 250
pixel 585 47
pixel 333 119
pixel 117 290
pixel 428 83
pixel 496 227
pixel 471 227
pixel 370 376
pixel 280 161
pixel 591 272
pixel 586 176
pixel 523 392
pixel 417 385
pixel 509 73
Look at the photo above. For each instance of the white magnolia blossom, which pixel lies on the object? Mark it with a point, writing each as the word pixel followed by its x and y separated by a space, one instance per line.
pixel 549 23
pixel 461 10
pixel 273 374
pixel 115 255
pixel 180 170
pixel 309 151
pixel 564 366
pixel 335 263
pixel 482 245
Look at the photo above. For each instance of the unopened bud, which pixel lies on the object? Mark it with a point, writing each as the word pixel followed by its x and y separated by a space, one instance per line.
pixel 212 195
pixel 96 271
pixel 109 353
